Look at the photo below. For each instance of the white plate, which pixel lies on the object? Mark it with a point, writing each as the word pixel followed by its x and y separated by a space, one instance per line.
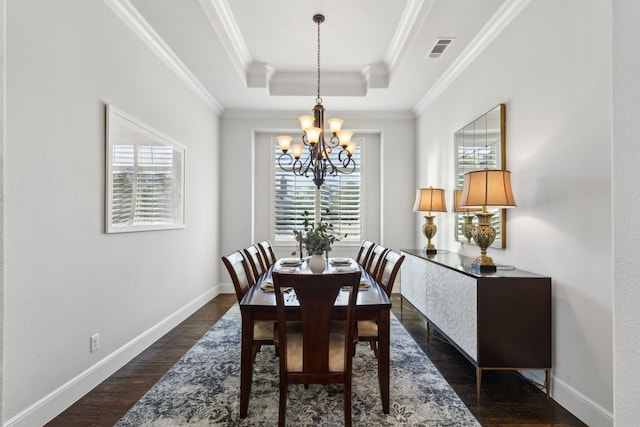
pixel 340 261
pixel 290 261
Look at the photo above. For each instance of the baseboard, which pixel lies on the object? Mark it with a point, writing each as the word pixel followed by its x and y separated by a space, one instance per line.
pixel 588 411
pixel 64 396
pixel 226 288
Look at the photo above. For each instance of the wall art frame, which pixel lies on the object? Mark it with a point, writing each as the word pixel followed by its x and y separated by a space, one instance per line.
pixel 144 176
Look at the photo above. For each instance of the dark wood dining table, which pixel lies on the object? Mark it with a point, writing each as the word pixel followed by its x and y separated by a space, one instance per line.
pixel 258 304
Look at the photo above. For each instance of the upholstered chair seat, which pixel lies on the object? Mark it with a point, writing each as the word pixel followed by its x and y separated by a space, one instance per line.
pixel 367 328
pixel 263 330
pixel 336 349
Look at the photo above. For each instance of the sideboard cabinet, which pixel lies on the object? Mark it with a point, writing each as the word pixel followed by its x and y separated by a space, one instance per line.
pixel 498 320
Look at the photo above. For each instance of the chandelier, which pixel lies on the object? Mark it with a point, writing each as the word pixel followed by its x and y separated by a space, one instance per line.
pixel 317 161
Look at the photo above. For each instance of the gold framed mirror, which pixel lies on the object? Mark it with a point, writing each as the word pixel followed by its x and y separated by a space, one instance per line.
pixel 478 145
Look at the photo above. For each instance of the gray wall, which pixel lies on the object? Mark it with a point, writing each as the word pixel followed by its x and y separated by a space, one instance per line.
pixel 551 67
pixel 65 278
pixel 626 175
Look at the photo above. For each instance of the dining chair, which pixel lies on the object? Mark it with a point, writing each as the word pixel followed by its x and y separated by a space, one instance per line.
pixel 317 351
pixel 241 276
pixel 255 261
pixel 268 255
pixel 368 329
pixel 364 252
pixel 374 261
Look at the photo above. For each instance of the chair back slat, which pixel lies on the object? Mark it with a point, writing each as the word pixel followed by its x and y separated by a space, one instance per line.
pixel 238 269
pixel 268 255
pixel 255 261
pixel 389 270
pixel 373 264
pixel 365 251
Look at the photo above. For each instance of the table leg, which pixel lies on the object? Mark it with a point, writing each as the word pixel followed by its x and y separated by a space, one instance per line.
pixel 246 362
pixel 383 358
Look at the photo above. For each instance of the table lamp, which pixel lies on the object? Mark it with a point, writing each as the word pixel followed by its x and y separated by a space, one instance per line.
pixel 430 200
pixel 482 189
pixel 467 227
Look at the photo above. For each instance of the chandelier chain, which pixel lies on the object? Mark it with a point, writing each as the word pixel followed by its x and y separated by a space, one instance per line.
pixel 318 98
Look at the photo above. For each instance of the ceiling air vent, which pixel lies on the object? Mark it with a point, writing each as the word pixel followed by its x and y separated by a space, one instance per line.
pixel 439 47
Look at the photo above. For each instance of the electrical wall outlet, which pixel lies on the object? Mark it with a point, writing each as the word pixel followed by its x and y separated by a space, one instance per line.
pixel 95 342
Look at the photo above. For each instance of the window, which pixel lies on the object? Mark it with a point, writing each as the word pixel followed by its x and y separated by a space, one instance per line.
pixel 340 195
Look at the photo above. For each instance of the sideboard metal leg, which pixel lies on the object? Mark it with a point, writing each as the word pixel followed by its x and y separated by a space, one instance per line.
pixel 478 382
pixel 547 381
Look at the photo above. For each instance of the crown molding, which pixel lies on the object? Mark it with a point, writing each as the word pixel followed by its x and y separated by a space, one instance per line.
pixel 134 20
pixel 224 24
pixel 376 75
pixel 498 22
pixel 414 14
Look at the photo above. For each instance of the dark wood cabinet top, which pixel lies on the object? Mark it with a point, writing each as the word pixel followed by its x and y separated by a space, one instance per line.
pixel 462 264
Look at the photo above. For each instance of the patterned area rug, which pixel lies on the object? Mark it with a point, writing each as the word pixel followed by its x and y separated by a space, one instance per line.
pixel 202 389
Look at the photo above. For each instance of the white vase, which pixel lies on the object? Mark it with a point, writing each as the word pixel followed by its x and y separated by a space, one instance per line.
pixel 317 263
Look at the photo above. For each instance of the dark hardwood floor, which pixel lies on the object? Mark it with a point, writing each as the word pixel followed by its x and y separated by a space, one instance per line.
pixel 506 400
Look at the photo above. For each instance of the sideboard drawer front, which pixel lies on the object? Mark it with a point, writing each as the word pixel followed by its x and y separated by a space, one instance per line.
pixel 452 306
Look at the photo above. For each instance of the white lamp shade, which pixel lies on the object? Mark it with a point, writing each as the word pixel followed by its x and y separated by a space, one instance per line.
pixel 457 195
pixel 345 137
pixel 335 125
pixel 430 200
pixel 313 135
pixel 284 141
pixel 487 187
pixel 307 122
pixel 296 150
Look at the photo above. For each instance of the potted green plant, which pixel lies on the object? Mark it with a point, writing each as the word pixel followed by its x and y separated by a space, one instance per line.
pixel 317 240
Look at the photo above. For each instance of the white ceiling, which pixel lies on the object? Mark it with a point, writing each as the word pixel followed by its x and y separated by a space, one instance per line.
pixel 262 54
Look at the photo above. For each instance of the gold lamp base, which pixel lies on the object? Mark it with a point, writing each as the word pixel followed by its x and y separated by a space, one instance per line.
pixel 429 230
pixel 484 235
pixel 467 227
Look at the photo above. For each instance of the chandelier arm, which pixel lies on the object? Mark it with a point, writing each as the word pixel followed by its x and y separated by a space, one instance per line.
pixel 345 164
pixel 305 140
pixel 343 160
pixel 288 167
pixel 304 166
pixel 333 142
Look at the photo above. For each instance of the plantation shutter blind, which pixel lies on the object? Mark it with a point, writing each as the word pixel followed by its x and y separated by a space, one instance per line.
pixel 142 185
pixel 340 195
pixel 472 158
